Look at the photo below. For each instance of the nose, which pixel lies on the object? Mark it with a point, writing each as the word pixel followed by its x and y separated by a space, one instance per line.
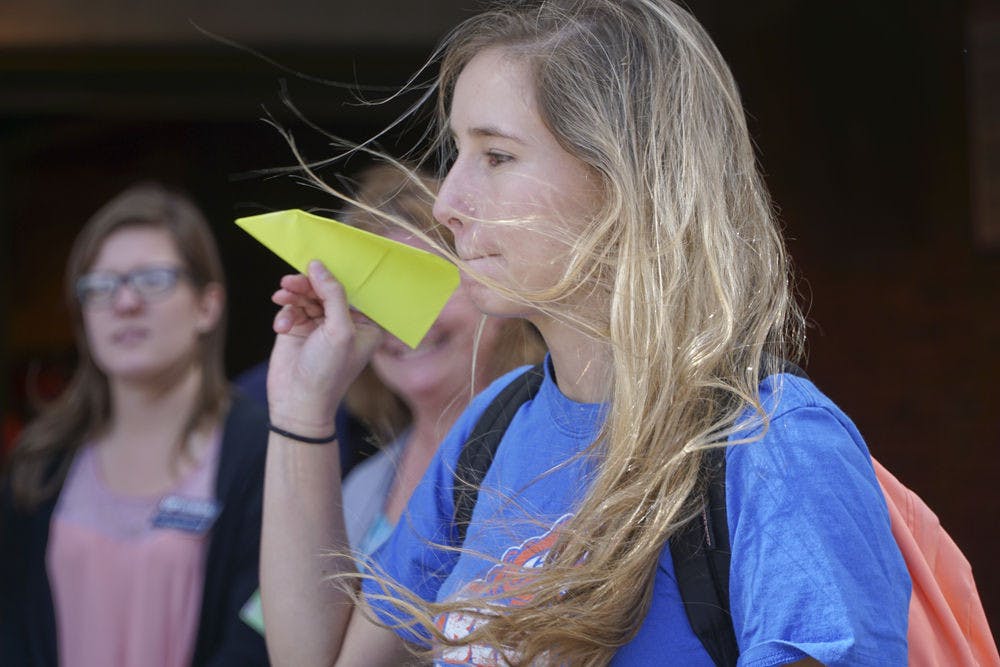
pixel 126 299
pixel 444 210
pixel 453 206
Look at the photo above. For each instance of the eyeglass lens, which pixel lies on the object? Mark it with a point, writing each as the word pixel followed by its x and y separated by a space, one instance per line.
pixel 149 282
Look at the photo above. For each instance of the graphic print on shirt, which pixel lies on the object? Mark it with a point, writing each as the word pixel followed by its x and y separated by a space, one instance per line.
pixel 502 578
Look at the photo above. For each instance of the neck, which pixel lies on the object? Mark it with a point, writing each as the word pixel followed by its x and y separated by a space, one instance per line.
pixel 582 364
pixel 433 419
pixel 159 408
pixel 138 454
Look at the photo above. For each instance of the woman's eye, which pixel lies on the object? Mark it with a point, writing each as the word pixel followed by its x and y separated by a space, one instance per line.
pixel 495 159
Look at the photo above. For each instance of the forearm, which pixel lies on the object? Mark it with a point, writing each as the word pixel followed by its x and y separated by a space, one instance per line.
pixel 305 615
pixel 318 351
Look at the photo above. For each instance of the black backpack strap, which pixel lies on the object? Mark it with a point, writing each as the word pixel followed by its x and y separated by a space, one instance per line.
pixel 701 556
pixel 700 552
pixel 477 453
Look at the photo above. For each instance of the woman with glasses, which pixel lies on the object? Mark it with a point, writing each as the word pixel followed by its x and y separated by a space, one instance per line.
pixel 131 506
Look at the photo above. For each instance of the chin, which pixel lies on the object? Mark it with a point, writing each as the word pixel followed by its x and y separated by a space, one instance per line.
pixel 142 371
pixel 425 375
pixel 119 368
pixel 410 385
pixel 491 303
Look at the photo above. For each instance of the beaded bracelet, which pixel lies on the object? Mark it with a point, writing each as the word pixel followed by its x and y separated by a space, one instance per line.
pixel 302 438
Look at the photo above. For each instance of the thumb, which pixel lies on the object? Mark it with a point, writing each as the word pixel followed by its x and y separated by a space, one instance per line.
pixel 339 319
pixel 330 292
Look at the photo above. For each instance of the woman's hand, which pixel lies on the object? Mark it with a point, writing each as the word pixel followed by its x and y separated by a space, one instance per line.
pixel 320 348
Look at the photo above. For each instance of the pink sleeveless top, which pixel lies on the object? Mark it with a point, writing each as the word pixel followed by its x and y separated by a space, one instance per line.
pixel 127 571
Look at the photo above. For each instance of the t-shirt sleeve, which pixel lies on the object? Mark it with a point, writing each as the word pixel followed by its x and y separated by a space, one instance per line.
pixel 815 570
pixel 419 555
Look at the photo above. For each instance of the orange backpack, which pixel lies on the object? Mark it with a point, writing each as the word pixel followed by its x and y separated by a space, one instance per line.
pixel 947 623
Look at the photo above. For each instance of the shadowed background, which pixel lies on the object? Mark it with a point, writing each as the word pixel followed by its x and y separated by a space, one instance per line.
pixel 876 122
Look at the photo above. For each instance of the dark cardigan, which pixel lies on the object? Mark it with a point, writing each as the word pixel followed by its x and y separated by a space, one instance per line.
pixel 27 617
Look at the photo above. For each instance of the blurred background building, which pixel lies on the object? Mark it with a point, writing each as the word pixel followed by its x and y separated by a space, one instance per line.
pixel 878 125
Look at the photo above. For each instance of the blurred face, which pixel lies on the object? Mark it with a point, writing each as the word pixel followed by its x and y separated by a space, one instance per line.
pixel 514 199
pixel 439 370
pixel 141 315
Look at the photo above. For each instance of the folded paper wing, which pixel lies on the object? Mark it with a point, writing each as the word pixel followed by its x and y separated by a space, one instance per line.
pixel 401 288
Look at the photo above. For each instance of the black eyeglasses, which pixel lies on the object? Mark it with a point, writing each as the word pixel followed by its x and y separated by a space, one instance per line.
pixel 99 287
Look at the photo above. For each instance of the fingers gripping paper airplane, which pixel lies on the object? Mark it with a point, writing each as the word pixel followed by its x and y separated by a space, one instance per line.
pixel 401 288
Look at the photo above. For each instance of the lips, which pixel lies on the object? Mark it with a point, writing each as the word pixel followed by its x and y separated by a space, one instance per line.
pixel 472 255
pixel 130 336
pixel 479 260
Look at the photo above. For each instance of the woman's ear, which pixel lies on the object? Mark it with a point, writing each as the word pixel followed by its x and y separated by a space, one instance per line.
pixel 211 303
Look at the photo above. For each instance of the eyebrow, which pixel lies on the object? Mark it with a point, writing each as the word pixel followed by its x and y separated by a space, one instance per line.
pixel 491 131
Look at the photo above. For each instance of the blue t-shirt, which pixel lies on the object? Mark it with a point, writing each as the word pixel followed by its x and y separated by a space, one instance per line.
pixel 815 570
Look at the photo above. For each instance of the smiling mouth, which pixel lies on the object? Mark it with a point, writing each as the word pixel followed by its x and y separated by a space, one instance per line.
pixel 399 350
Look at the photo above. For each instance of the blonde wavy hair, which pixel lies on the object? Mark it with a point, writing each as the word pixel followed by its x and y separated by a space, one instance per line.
pixel 691 258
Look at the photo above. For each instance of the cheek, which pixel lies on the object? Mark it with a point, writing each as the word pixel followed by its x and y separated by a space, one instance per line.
pixel 185 334
pixel 177 330
pixel 461 316
pixel 460 306
pixel 533 254
pixel 95 329
pixel 181 314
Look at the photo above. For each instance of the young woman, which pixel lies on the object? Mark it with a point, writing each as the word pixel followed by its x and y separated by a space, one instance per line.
pixel 602 186
pixel 410 398
pixel 131 508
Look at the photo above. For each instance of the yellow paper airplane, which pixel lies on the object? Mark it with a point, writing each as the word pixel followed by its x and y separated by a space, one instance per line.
pixel 399 287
